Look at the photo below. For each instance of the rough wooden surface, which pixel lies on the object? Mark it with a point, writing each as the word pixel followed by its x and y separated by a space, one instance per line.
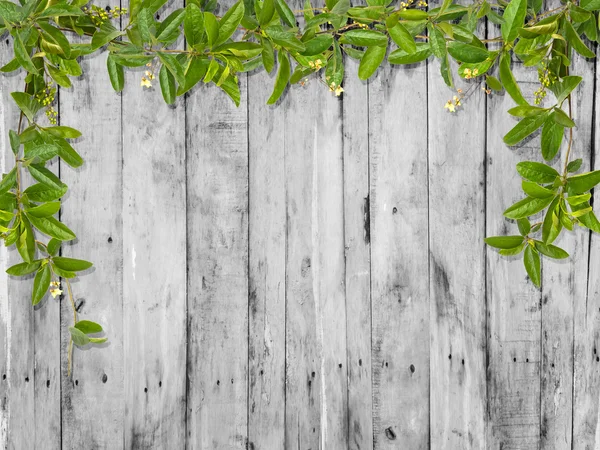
pixel 308 275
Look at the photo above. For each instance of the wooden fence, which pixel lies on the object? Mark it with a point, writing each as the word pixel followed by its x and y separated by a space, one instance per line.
pixel 310 275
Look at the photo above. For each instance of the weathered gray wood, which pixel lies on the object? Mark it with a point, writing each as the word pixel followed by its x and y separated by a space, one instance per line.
pixel 399 259
pixel 514 321
pixel 358 271
pixel 457 267
pixel 154 272
pixel 17 340
pixel 267 252
pixel 316 377
pixel 217 207
pixel 92 400
pixel 564 285
pixel 586 313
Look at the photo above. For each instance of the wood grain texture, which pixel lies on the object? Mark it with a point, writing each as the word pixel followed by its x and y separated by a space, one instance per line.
pixel 457 267
pixel 266 258
pixel 399 257
pixel 586 311
pixel 316 377
pixel 564 287
pixel 217 217
pixel 514 318
pixel 92 400
pixel 17 338
pixel 154 272
pixel 357 231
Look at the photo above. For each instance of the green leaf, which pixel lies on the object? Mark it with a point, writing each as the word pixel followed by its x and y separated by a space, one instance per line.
pixel 552 136
pixel 25 268
pixel 563 88
pixel 88 327
pixel 316 45
pixel 22 54
pixel 574 165
pixel 26 241
pixel 169 29
pixel 504 242
pixel 466 52
pixel 403 38
pixel 526 111
pixel 104 35
pixel 79 337
pixel 64 132
pixel 41 283
pixel 575 200
pixel 212 28
pixel 54 246
pixel 400 56
pixel 15 141
pixel 364 38
pixel 578 184
pixel 230 22
pixel 193 25
pixel 527 207
pixel 590 5
pixel 531 260
pixel 43 193
pixel 514 18
pixel 52 227
pixel 535 190
pixel 8 181
pixel 173 66
pixel 493 83
pixel 45 210
pixel 550 250
pixel 549 221
pixel 55 40
pixel 371 60
pixel 283 76
pixel 167 85
pixel 115 73
pixel 145 22
pixel 413 14
pixel 512 251
pixel 194 73
pixel 538 172
pixel 561 118
pixel 26 103
pixel 43 175
pixel 524 226
pixel 508 79
pixel 266 14
pixel 524 128
pixel 574 39
pixel 60 10
pixel 285 12
pixel 286 39
pixel 98 340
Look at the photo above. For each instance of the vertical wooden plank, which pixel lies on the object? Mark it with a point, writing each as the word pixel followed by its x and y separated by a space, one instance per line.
pixel 217 208
pixel 514 321
pixel 457 267
pixel 399 258
pixel 267 249
pixel 358 271
pixel 316 378
pixel 17 341
pixel 154 272
pixel 564 285
pixel 92 400
pixel 586 313
pixel 47 350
